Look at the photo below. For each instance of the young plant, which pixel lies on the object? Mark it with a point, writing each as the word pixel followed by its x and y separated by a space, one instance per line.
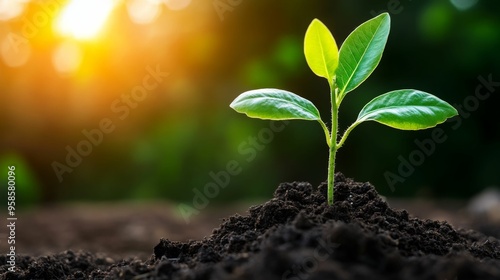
pixel 345 70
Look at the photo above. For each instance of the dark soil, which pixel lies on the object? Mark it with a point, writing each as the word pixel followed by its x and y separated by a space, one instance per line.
pixel 296 236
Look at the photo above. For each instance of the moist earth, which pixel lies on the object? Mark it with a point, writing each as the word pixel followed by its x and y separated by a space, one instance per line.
pixel 297 236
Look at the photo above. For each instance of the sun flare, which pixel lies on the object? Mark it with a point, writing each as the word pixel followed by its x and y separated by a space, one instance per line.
pixel 84 19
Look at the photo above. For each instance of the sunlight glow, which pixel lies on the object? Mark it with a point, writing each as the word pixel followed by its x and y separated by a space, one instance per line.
pixel 84 19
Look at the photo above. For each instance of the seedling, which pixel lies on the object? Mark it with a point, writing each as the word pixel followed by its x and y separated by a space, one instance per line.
pixel 345 70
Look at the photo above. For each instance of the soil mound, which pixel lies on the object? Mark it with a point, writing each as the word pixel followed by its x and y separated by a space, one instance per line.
pixel 296 235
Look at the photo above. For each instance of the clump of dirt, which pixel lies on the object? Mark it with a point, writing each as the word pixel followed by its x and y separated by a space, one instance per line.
pixel 295 235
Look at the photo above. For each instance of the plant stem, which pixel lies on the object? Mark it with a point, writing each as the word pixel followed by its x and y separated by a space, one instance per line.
pixel 331 172
pixel 333 143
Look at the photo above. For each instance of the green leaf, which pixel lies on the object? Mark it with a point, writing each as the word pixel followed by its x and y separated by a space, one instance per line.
pixel 361 52
pixel 407 109
pixel 321 51
pixel 275 104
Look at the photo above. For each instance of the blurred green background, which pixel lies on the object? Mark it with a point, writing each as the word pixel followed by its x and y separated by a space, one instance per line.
pixel 57 82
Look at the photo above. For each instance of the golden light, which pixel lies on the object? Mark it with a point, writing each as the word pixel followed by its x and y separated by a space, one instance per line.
pixel 84 19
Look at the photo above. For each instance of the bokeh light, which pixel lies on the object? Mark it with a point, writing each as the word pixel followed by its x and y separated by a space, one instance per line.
pixel 464 4
pixel 14 53
pixel 67 57
pixel 10 9
pixel 177 5
pixel 143 11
